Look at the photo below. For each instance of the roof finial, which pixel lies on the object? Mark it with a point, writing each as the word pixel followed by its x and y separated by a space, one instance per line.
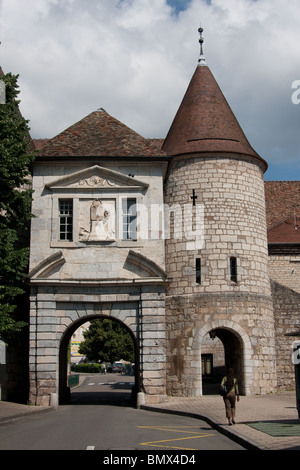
pixel 201 60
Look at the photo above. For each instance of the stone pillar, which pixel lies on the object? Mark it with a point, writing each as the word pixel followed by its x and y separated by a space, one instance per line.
pixel 43 348
pixel 153 344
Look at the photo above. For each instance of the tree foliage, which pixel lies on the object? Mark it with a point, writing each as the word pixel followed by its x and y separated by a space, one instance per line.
pixel 15 206
pixel 107 340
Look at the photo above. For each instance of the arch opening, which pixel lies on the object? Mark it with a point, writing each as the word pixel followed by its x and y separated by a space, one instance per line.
pixel 221 348
pixel 65 392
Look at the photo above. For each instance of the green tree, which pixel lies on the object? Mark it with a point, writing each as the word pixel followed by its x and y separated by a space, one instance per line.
pixel 107 340
pixel 16 155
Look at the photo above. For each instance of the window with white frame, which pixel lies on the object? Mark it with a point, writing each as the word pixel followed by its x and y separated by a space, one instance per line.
pixel 66 219
pixel 129 219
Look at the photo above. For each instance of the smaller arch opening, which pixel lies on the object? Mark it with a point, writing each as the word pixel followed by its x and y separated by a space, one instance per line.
pixel 222 348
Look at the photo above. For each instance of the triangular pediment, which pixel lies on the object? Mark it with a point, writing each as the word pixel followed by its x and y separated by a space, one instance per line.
pixel 99 178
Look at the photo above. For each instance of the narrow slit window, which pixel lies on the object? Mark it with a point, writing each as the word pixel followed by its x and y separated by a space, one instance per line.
pixel 66 219
pixel 233 269
pixel 198 270
pixel 129 219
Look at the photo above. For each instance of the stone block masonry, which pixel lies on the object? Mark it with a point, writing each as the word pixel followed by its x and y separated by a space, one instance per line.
pixel 232 194
pixel 53 322
pixel 208 296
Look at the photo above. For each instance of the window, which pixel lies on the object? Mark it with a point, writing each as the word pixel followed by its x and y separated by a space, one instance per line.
pixel 233 269
pixel 66 219
pixel 129 218
pixel 198 270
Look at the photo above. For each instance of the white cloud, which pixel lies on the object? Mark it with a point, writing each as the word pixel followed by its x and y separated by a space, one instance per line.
pixel 135 58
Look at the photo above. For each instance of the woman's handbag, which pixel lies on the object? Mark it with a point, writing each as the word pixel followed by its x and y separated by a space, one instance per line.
pixel 223 390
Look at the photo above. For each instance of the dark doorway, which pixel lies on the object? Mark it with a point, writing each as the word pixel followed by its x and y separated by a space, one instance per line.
pixel 226 349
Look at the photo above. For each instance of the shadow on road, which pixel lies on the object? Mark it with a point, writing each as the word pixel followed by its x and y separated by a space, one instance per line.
pixel 113 394
pixel 111 397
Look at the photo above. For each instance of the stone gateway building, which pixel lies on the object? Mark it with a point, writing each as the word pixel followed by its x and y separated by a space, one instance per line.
pixel 179 240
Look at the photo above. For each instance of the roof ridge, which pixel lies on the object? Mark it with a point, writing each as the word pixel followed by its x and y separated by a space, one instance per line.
pixel 280 222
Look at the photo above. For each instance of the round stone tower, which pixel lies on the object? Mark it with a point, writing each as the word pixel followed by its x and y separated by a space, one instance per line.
pixel 219 296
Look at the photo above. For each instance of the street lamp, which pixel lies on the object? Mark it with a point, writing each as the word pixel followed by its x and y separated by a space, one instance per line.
pixel 212 334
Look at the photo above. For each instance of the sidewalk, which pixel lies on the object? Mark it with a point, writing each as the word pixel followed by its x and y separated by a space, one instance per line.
pixel 275 417
pixel 10 411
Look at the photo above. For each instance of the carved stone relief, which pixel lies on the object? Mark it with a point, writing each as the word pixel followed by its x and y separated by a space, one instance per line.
pixel 95 181
pixel 97 220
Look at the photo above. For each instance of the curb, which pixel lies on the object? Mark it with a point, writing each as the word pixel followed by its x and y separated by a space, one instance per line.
pixel 22 414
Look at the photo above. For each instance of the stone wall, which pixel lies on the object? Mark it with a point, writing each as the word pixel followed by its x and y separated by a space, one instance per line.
pixel 241 319
pixel 286 304
pixel 230 193
pixel 284 268
pixel 84 257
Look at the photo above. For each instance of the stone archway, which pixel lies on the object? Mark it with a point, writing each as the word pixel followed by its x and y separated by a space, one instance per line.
pixel 63 389
pixel 56 311
pixel 237 349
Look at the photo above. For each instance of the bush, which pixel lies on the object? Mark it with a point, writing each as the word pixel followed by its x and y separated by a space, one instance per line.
pixel 89 368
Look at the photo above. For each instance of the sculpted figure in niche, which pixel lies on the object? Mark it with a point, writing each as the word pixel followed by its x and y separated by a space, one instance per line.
pixel 96 220
pixel 99 221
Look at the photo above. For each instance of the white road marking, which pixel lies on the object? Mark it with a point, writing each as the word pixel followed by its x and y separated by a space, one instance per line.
pixel 112 383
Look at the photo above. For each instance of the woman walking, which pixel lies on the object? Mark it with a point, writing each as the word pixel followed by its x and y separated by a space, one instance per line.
pixel 231 396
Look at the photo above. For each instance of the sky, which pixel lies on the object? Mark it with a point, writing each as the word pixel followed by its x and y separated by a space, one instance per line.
pixel 135 59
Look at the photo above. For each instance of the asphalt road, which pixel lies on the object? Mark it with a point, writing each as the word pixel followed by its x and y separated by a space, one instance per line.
pixel 101 416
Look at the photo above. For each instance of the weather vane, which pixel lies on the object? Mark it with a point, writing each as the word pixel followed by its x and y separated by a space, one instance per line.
pixel 201 41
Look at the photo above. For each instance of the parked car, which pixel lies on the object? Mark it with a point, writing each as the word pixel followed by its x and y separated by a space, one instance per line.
pixel 117 367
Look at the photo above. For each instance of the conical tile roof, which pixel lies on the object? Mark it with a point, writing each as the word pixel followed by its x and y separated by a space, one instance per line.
pixel 205 122
pixel 99 134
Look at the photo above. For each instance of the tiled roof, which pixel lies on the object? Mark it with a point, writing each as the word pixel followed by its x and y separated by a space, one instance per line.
pixel 40 143
pixel 285 232
pixel 99 134
pixel 205 122
pixel 283 211
pixel 282 197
